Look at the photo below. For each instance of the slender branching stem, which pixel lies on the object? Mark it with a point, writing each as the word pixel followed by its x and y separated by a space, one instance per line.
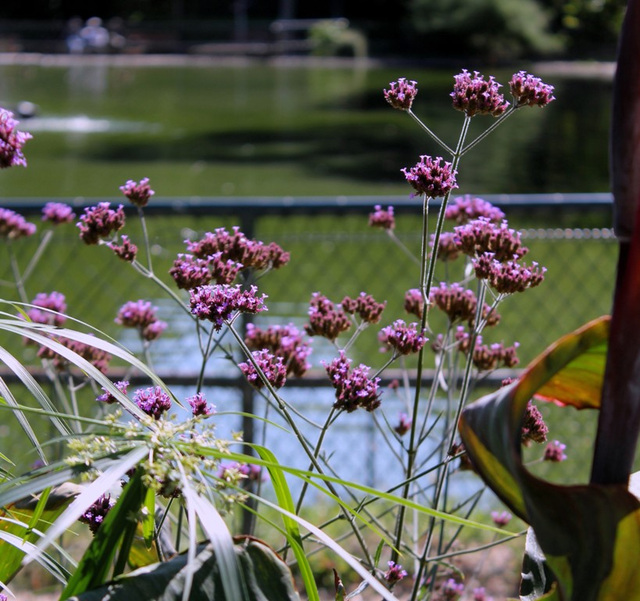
pixel 429 132
pixel 426 279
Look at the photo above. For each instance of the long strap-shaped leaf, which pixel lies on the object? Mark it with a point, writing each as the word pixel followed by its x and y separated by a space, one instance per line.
pixel 619 421
pixel 590 534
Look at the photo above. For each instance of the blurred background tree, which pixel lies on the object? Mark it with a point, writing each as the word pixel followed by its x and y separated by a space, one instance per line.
pixel 496 30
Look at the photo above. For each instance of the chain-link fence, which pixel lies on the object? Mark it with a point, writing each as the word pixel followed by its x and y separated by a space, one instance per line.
pixel 335 252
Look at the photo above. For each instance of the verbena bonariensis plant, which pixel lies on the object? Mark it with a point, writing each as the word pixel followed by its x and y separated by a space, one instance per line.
pixel 584 539
pixel 176 474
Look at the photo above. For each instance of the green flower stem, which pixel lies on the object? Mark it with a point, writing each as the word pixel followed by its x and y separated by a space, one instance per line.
pixel 316 453
pixel 206 353
pixel 426 280
pixel 301 439
pixel 17 276
pixel 145 236
pixel 44 242
pixel 489 129
pixel 430 133
pixel 402 246
pixel 359 329
pixel 464 389
pixel 434 388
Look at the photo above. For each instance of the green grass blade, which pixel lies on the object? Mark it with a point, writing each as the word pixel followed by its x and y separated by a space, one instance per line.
pixel 285 500
pixel 96 562
pixel 92 492
pixel 220 537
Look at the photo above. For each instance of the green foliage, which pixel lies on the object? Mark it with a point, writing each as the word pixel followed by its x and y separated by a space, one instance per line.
pixel 569 521
pixel 495 29
pixel 268 578
pixel 589 26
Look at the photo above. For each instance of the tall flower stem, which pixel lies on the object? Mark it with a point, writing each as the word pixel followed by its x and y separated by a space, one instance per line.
pixel 17 276
pixel 145 236
pixel 427 271
pixel 464 390
pixel 489 129
pixel 301 439
pixel 316 453
pixel 430 133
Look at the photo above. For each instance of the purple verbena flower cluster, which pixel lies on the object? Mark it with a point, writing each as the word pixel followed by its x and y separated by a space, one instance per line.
pixel 138 194
pixel 490 357
pixel 480 594
pixel 100 221
pixel 508 277
pixel 126 251
pixel 11 141
pixel 325 319
pixel 403 425
pixel 501 518
pixel 533 427
pixel 555 452
pixel 199 405
pixel 54 306
pixel 414 302
pixel 94 516
pixel 463 209
pixel 395 573
pixel 481 236
pixel 447 246
pixel 153 401
pixel 108 398
pixel 402 338
pixel 221 302
pixel 239 249
pixel 282 341
pixel 484 357
pixel 13 225
pixel 353 387
pixel 367 308
pixel 271 366
pixel 190 272
pixel 382 218
pixel 431 177
pixel 97 357
pixel 460 304
pixel 474 95
pixel 141 315
pixel 451 590
pixel 58 213
pixel 528 90
pixel 401 93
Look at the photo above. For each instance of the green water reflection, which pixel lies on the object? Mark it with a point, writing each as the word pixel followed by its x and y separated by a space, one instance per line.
pixel 277 131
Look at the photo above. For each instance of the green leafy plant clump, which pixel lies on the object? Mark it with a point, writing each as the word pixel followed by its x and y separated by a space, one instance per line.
pixel 169 509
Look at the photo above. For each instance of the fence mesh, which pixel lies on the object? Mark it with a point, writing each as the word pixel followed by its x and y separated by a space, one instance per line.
pixel 333 251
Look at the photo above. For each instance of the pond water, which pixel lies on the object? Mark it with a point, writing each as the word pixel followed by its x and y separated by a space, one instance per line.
pixel 284 131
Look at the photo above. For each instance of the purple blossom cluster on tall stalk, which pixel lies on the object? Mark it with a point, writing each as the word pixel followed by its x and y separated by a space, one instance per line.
pixel 14 225
pixel 11 141
pixel 142 316
pixel 492 253
pixel 285 341
pixel 354 387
